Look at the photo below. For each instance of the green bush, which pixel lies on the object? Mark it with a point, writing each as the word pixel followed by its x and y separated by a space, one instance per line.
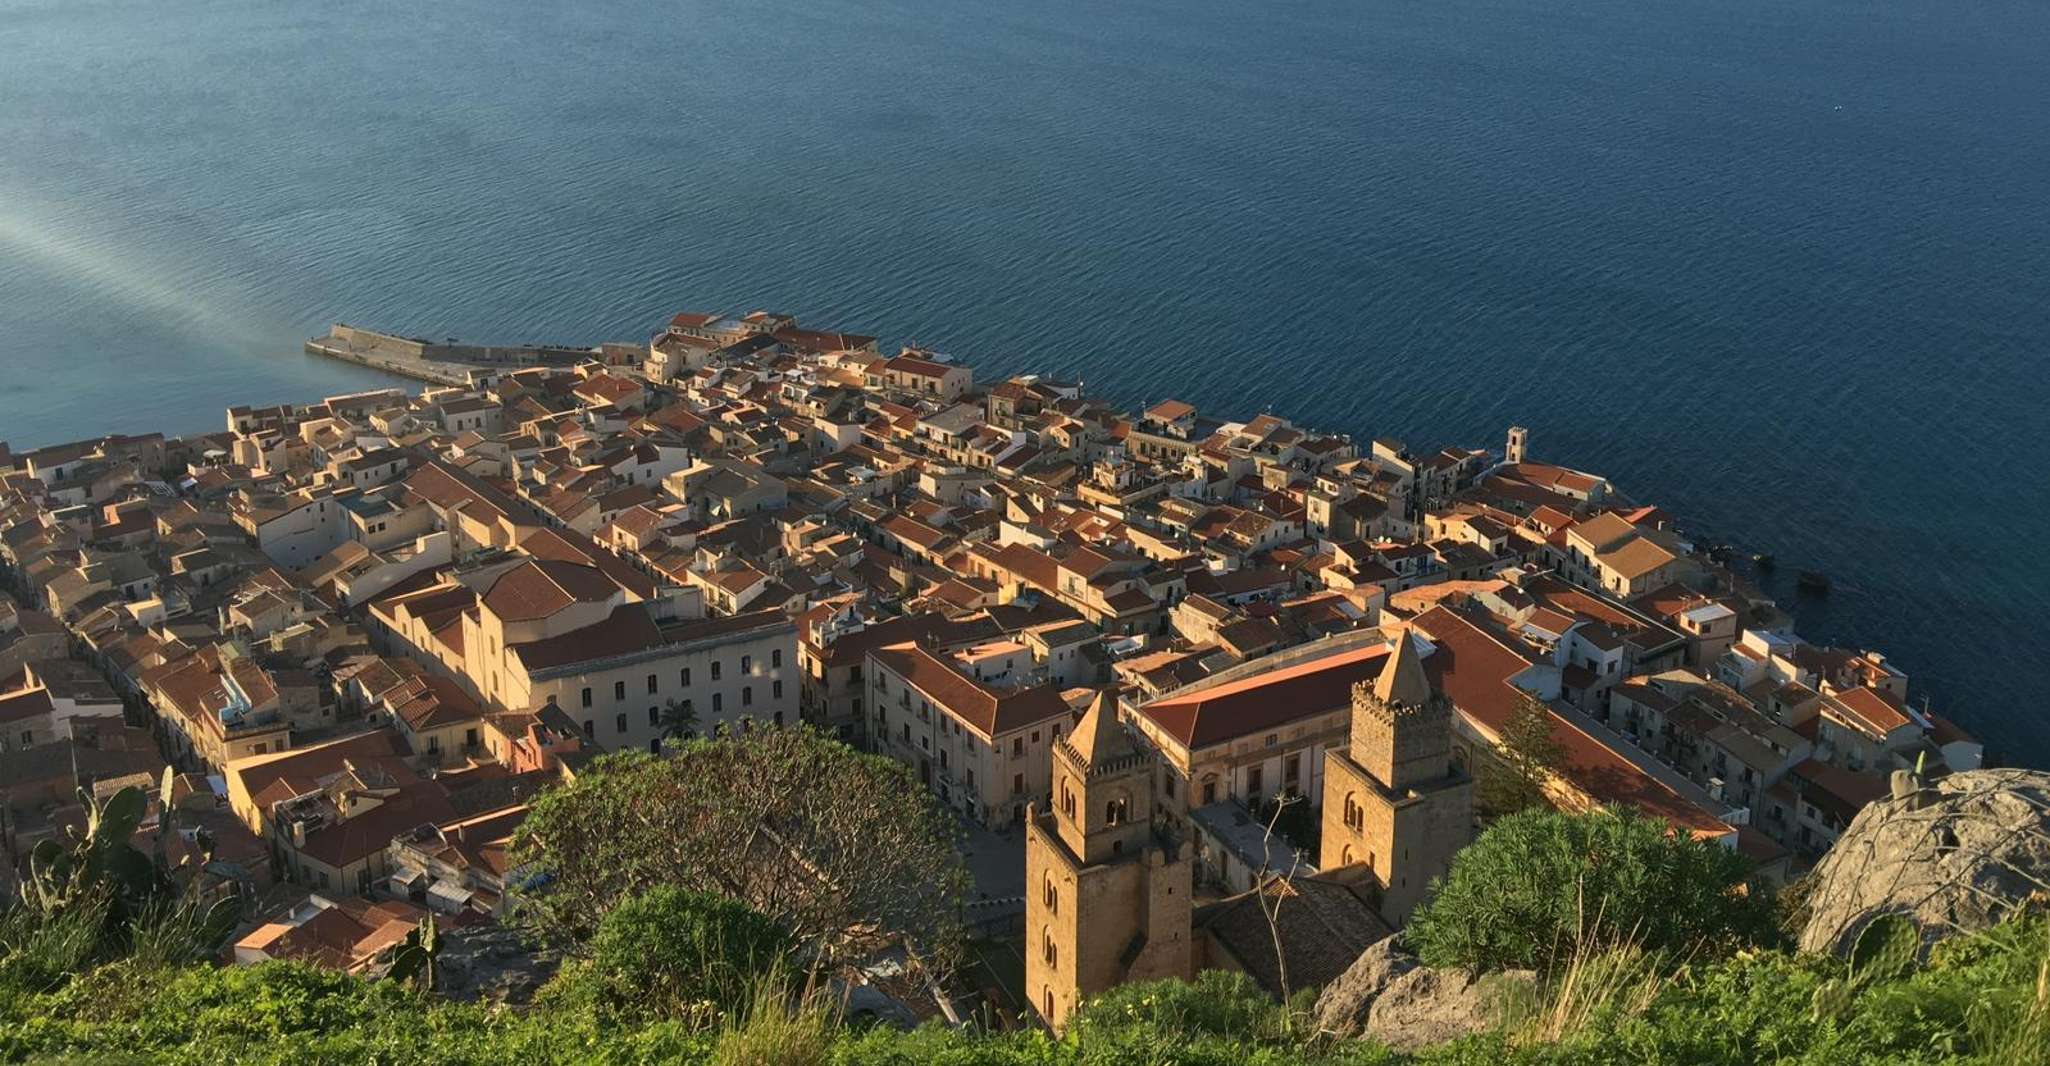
pixel 1539 886
pixel 673 954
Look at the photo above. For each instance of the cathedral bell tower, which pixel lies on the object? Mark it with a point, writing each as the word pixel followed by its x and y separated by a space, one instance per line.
pixel 1395 807
pixel 1106 892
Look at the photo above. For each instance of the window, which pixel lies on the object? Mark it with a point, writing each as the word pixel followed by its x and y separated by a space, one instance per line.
pixel 654 716
pixel 619 690
pixel 1254 780
pixel 1046 950
pixel 1209 793
pixel 654 745
pixel 715 669
pixel 653 687
pixel 776 691
pixel 619 721
pixel 1017 784
pixel 590 728
pixel 1167 785
pixel 684 678
pixel 775 658
pixel 718 703
pixel 1051 896
pixel 747 695
pixel 1114 812
pixel 779 719
pixel 587 697
pixel 1017 746
pixel 747 664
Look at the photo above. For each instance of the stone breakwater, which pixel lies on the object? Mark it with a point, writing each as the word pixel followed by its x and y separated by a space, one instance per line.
pixel 444 363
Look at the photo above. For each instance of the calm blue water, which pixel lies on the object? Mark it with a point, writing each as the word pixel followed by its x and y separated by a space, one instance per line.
pixel 1783 267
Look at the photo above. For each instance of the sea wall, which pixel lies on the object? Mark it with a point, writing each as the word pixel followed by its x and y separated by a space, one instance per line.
pixel 446 363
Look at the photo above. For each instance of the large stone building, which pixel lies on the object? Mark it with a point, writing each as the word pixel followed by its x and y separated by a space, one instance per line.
pixel 1109 876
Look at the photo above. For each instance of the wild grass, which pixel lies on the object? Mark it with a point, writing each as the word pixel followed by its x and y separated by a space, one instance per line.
pixel 780 1028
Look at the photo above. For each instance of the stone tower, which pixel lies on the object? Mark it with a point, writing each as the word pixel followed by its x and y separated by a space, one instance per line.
pixel 1395 807
pixel 1106 892
pixel 1518 437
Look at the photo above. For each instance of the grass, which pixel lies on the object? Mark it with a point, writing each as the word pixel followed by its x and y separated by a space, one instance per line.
pixel 778 1028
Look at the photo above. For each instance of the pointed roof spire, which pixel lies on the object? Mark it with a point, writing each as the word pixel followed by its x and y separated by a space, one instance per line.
pixel 1099 736
pixel 1403 682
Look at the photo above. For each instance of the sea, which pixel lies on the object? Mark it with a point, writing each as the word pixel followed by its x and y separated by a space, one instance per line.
pixel 1782 268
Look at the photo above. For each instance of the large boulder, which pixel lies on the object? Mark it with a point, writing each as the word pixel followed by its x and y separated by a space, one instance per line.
pixel 1955 855
pixel 1343 1005
pixel 1424 1006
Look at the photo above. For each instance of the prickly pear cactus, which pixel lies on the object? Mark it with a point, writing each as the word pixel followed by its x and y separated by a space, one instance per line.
pixel 1885 949
pixel 1832 999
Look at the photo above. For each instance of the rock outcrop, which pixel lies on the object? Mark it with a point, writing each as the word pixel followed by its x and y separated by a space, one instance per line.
pixel 1343 1006
pixel 1954 855
pixel 1389 995
pixel 1426 1006
pixel 491 963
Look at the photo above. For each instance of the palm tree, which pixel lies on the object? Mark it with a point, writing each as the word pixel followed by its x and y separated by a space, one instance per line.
pixel 679 720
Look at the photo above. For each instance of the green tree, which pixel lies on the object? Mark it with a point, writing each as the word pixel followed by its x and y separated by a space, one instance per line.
pixel 843 850
pixel 1538 885
pixel 679 720
pixel 674 954
pixel 1527 755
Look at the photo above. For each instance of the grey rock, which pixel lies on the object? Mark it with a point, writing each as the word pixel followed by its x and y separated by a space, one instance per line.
pixel 1955 855
pixel 1423 1006
pixel 491 963
pixel 1343 1006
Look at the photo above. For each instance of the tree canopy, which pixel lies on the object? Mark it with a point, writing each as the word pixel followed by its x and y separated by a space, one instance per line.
pixel 1515 778
pixel 843 850
pixel 1539 884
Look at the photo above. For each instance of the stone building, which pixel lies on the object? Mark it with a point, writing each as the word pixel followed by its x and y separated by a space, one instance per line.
pixel 1107 895
pixel 1396 808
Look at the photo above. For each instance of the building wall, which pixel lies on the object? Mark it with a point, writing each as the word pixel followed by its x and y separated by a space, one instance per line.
pixel 969 772
pixel 306 533
pixel 734 696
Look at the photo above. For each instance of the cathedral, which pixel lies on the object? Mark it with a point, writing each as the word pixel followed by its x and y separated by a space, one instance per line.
pixel 1110 894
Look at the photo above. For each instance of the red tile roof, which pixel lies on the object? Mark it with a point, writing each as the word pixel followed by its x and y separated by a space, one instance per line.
pixel 989 711
pixel 1265 700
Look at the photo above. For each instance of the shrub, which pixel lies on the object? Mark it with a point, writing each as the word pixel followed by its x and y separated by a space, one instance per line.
pixel 1539 885
pixel 674 954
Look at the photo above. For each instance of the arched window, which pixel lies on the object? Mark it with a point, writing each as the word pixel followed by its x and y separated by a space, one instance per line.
pixel 1355 817
pixel 1052 896
pixel 1046 1008
pixel 1114 812
pixel 1048 953
pixel 1345 858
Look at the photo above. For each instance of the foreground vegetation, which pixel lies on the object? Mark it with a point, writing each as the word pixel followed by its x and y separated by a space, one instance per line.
pixel 1977 1000
pixel 1648 949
